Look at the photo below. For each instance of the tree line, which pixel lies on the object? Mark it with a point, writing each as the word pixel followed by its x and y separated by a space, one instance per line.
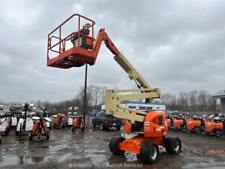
pixel 196 100
pixel 193 101
pixel 95 98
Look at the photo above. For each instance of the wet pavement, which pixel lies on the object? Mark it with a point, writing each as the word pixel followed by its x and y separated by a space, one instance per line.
pixel 90 150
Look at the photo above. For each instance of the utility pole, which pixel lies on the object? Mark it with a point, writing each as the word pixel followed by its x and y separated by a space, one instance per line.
pixel 85 97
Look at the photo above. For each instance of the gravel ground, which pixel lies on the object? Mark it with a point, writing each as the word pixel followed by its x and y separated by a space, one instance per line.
pixel 90 150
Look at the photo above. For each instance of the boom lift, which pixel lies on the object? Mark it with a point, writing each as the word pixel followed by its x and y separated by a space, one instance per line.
pixel 80 47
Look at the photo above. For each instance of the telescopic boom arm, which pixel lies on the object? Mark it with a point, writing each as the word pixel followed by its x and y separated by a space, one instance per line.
pixel 120 59
pixel 114 98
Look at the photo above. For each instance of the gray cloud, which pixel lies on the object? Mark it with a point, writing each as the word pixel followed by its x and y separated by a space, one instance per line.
pixel 177 46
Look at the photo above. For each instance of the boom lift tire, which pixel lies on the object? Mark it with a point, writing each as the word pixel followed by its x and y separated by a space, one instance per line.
pixel 149 152
pixel 173 145
pixel 114 146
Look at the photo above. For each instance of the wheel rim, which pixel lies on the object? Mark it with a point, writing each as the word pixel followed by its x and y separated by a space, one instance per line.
pixel 153 153
pixel 176 146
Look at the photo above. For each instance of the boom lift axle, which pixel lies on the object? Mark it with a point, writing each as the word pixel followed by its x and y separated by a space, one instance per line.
pixel 79 48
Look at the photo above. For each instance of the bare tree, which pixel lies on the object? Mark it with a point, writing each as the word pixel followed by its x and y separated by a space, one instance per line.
pixel 80 97
pixel 203 98
pixel 170 100
pixel 183 101
pixel 190 101
pixel 98 94
pixel 193 97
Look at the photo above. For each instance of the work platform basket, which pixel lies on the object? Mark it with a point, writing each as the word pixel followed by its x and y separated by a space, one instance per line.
pixel 71 44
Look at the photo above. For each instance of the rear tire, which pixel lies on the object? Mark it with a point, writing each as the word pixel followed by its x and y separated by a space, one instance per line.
pixel 173 145
pixel 149 152
pixel 114 145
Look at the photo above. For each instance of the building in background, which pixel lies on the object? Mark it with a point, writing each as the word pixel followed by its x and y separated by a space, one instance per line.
pixel 145 106
pixel 221 96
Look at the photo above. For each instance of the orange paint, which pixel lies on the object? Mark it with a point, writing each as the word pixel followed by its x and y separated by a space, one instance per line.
pixel 192 123
pixel 177 123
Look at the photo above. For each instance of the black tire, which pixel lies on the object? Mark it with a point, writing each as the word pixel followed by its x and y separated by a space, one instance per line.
pixel 218 133
pixel 173 145
pixel 0 141
pixel 94 125
pixel 17 133
pixel 149 152
pixel 118 127
pixel 113 145
pixel 47 137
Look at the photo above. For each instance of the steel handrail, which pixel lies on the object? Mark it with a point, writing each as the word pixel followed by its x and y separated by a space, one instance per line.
pixel 62 42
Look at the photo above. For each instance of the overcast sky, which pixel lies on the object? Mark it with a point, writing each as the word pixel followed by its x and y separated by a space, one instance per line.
pixel 176 45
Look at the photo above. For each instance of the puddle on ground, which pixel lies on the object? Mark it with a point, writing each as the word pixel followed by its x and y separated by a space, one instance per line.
pixel 19 160
pixel 70 149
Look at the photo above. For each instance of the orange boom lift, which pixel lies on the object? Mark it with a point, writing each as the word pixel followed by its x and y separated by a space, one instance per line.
pixel 69 48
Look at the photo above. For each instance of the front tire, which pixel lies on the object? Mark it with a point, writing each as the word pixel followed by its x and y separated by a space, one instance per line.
pixel 173 145
pixel 149 152
pixel 114 145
